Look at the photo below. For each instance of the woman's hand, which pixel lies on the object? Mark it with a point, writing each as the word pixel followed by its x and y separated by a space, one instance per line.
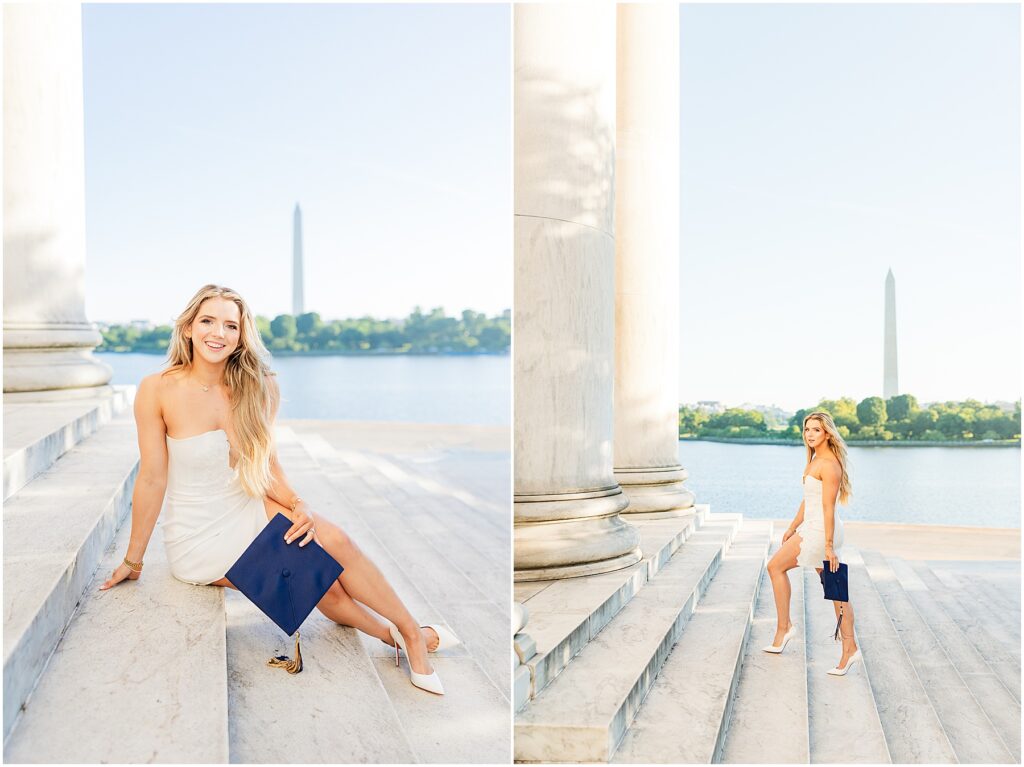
pixel 302 526
pixel 121 573
pixel 788 534
pixel 833 560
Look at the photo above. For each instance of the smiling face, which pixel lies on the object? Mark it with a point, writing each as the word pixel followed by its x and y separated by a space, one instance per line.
pixel 216 330
pixel 814 433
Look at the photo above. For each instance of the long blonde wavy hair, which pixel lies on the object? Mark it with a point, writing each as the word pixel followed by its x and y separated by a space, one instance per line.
pixel 836 445
pixel 245 376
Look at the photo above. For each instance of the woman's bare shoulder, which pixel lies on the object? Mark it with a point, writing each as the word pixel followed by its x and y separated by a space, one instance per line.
pixel 831 468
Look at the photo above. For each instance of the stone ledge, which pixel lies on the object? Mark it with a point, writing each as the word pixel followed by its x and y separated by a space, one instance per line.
pixel 566 614
pixel 585 711
pixel 55 532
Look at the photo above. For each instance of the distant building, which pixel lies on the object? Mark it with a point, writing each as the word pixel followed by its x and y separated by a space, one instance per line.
pixel 710 406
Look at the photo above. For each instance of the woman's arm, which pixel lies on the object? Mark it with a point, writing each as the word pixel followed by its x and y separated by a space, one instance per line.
pixel 280 489
pixel 830 476
pixel 797 521
pixel 151 481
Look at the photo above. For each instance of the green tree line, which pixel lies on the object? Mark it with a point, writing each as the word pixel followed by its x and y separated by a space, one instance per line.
pixel 898 418
pixel 418 333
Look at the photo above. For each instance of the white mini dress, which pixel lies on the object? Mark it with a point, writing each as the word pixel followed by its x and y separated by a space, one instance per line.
pixel 812 530
pixel 208 519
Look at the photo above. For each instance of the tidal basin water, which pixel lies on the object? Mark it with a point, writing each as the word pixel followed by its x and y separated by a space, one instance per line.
pixel 457 389
pixel 974 486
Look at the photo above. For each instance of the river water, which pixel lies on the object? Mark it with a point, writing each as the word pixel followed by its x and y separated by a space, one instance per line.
pixel 975 486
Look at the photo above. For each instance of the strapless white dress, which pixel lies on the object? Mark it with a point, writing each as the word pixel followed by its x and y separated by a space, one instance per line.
pixel 812 530
pixel 207 517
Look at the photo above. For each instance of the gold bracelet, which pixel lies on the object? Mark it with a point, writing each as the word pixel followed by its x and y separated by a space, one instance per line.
pixel 133 566
pixel 295 503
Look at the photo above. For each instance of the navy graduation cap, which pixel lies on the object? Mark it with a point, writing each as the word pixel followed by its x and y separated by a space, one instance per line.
pixel 284 580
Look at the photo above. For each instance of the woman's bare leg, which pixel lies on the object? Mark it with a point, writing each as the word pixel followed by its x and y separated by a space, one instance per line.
pixel 364 582
pixel 339 607
pixel 846 631
pixel 779 566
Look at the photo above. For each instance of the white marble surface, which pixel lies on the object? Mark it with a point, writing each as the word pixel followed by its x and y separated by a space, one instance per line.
pixel 1002 709
pixel 684 716
pixel 970 732
pixel 335 711
pixel 37 434
pixel 430 552
pixel 912 730
pixel 583 712
pixel 55 531
pixel 769 713
pixel 1001 656
pixel 139 676
pixel 568 613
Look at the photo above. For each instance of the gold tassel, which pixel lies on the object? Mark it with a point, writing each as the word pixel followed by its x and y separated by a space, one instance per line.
pixel 283 661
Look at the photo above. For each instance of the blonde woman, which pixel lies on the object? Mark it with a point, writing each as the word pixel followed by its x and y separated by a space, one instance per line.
pixel 208 463
pixel 816 533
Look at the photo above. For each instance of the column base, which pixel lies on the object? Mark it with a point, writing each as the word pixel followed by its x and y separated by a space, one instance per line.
pixel 656 492
pixel 56 373
pixel 576 542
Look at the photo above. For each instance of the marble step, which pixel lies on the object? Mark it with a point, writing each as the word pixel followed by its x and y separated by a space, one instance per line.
pixel 338 701
pixel 1001 623
pixel 339 675
pixel 1002 709
pixel 477 613
pixel 833 702
pixel 38 433
pixel 55 530
pixel 584 712
pixel 769 712
pixel 912 729
pixel 475 550
pixel 1003 660
pixel 685 715
pixel 140 675
pixel 970 732
pixel 435 726
pixel 993 598
pixel 567 614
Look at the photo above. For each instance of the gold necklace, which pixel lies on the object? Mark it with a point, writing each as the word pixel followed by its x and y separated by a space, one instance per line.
pixel 205 387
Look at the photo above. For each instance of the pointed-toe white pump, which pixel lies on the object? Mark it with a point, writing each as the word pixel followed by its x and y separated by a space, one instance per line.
pixel 446 638
pixel 849 662
pixel 785 640
pixel 429 682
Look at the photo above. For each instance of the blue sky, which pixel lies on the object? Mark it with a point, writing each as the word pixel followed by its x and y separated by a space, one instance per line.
pixel 822 145
pixel 390 125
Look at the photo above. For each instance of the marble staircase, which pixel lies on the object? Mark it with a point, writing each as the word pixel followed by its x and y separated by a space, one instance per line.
pixel 677 675
pixel 161 671
pixel 929 690
pixel 604 642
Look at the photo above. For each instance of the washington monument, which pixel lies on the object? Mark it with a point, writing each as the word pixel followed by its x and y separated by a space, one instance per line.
pixel 297 300
pixel 890 378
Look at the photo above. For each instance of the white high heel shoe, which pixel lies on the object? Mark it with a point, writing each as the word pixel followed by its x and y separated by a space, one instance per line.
pixel 785 640
pixel 446 638
pixel 429 682
pixel 849 662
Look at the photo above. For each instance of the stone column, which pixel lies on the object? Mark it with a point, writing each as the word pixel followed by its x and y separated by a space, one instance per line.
pixel 647 261
pixel 567 501
pixel 48 341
